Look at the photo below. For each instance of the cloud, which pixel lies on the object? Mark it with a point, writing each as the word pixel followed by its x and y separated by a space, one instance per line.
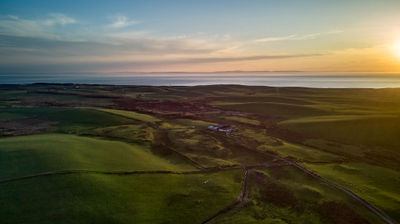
pixel 126 35
pixel 49 44
pixel 79 64
pixel 246 58
pixel 41 54
pixel 269 39
pixel 121 22
pixel 298 37
pixel 58 19
pixel 45 28
pixel 37 47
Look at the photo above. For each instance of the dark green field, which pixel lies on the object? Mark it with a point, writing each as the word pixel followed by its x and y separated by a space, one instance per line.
pixel 204 154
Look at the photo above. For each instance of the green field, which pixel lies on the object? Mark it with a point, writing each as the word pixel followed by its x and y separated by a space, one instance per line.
pixel 131 114
pixel 375 184
pixel 28 155
pixel 89 198
pixel 372 130
pixel 285 195
pixel 281 110
pixel 70 119
pixel 243 120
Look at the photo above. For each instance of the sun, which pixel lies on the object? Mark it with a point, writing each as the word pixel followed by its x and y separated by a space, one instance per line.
pixel 396 49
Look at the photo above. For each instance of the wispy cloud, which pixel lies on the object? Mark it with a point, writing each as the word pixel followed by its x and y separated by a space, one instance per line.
pixel 57 42
pixel 140 46
pixel 14 25
pixel 58 19
pixel 246 58
pixel 270 39
pixel 89 65
pixel 298 37
pixel 122 21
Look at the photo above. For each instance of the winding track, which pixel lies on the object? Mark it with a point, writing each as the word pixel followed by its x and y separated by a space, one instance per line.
pixel 366 204
pixel 239 200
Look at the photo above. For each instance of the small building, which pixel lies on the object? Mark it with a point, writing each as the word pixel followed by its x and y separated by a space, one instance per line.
pixel 221 128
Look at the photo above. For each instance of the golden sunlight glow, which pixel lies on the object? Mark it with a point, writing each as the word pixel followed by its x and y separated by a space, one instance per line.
pixel 396 49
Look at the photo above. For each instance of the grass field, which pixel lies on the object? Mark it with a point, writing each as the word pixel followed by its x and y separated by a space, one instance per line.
pixel 71 119
pixel 375 130
pixel 281 110
pixel 265 143
pixel 300 152
pixel 285 195
pixel 89 198
pixel 51 152
pixel 130 133
pixel 9 116
pixel 375 184
pixel 243 120
pixel 131 115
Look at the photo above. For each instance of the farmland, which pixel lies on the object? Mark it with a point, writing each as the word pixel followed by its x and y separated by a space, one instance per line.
pixel 146 154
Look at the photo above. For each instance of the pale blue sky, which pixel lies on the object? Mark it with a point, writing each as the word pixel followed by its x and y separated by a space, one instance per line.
pixel 76 36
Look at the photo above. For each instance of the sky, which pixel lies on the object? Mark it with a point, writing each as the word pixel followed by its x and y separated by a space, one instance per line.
pixel 342 36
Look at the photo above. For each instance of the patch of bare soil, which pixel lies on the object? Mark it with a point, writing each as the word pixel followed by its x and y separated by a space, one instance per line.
pixel 285 134
pixel 340 213
pixel 271 192
pixel 279 173
pixel 25 126
pixel 166 107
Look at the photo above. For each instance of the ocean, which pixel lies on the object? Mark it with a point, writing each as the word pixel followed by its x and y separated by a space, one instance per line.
pixel 275 80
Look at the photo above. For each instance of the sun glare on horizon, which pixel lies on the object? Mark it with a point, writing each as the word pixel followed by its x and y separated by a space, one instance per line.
pixel 396 49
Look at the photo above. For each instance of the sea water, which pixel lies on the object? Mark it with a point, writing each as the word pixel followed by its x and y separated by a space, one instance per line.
pixel 275 80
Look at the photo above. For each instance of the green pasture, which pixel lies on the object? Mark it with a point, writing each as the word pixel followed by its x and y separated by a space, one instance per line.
pixel 27 155
pixel 96 198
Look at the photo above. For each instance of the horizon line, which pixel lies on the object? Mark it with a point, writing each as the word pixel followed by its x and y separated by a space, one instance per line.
pixel 210 72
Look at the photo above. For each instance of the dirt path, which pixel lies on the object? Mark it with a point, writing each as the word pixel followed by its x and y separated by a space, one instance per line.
pixel 243 192
pixel 363 202
pixel 239 200
pixel 366 204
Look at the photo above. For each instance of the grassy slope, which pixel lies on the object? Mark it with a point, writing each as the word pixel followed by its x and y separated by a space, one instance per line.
pixel 39 153
pixel 242 120
pixel 378 185
pixel 285 149
pixel 286 195
pixel 333 118
pixel 209 149
pixel 9 116
pixel 131 133
pixel 71 119
pixel 281 110
pixel 300 152
pixel 374 131
pixel 87 198
pixel 131 115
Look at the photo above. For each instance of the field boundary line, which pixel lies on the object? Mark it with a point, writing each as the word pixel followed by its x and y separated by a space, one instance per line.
pixel 239 200
pixel 133 172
